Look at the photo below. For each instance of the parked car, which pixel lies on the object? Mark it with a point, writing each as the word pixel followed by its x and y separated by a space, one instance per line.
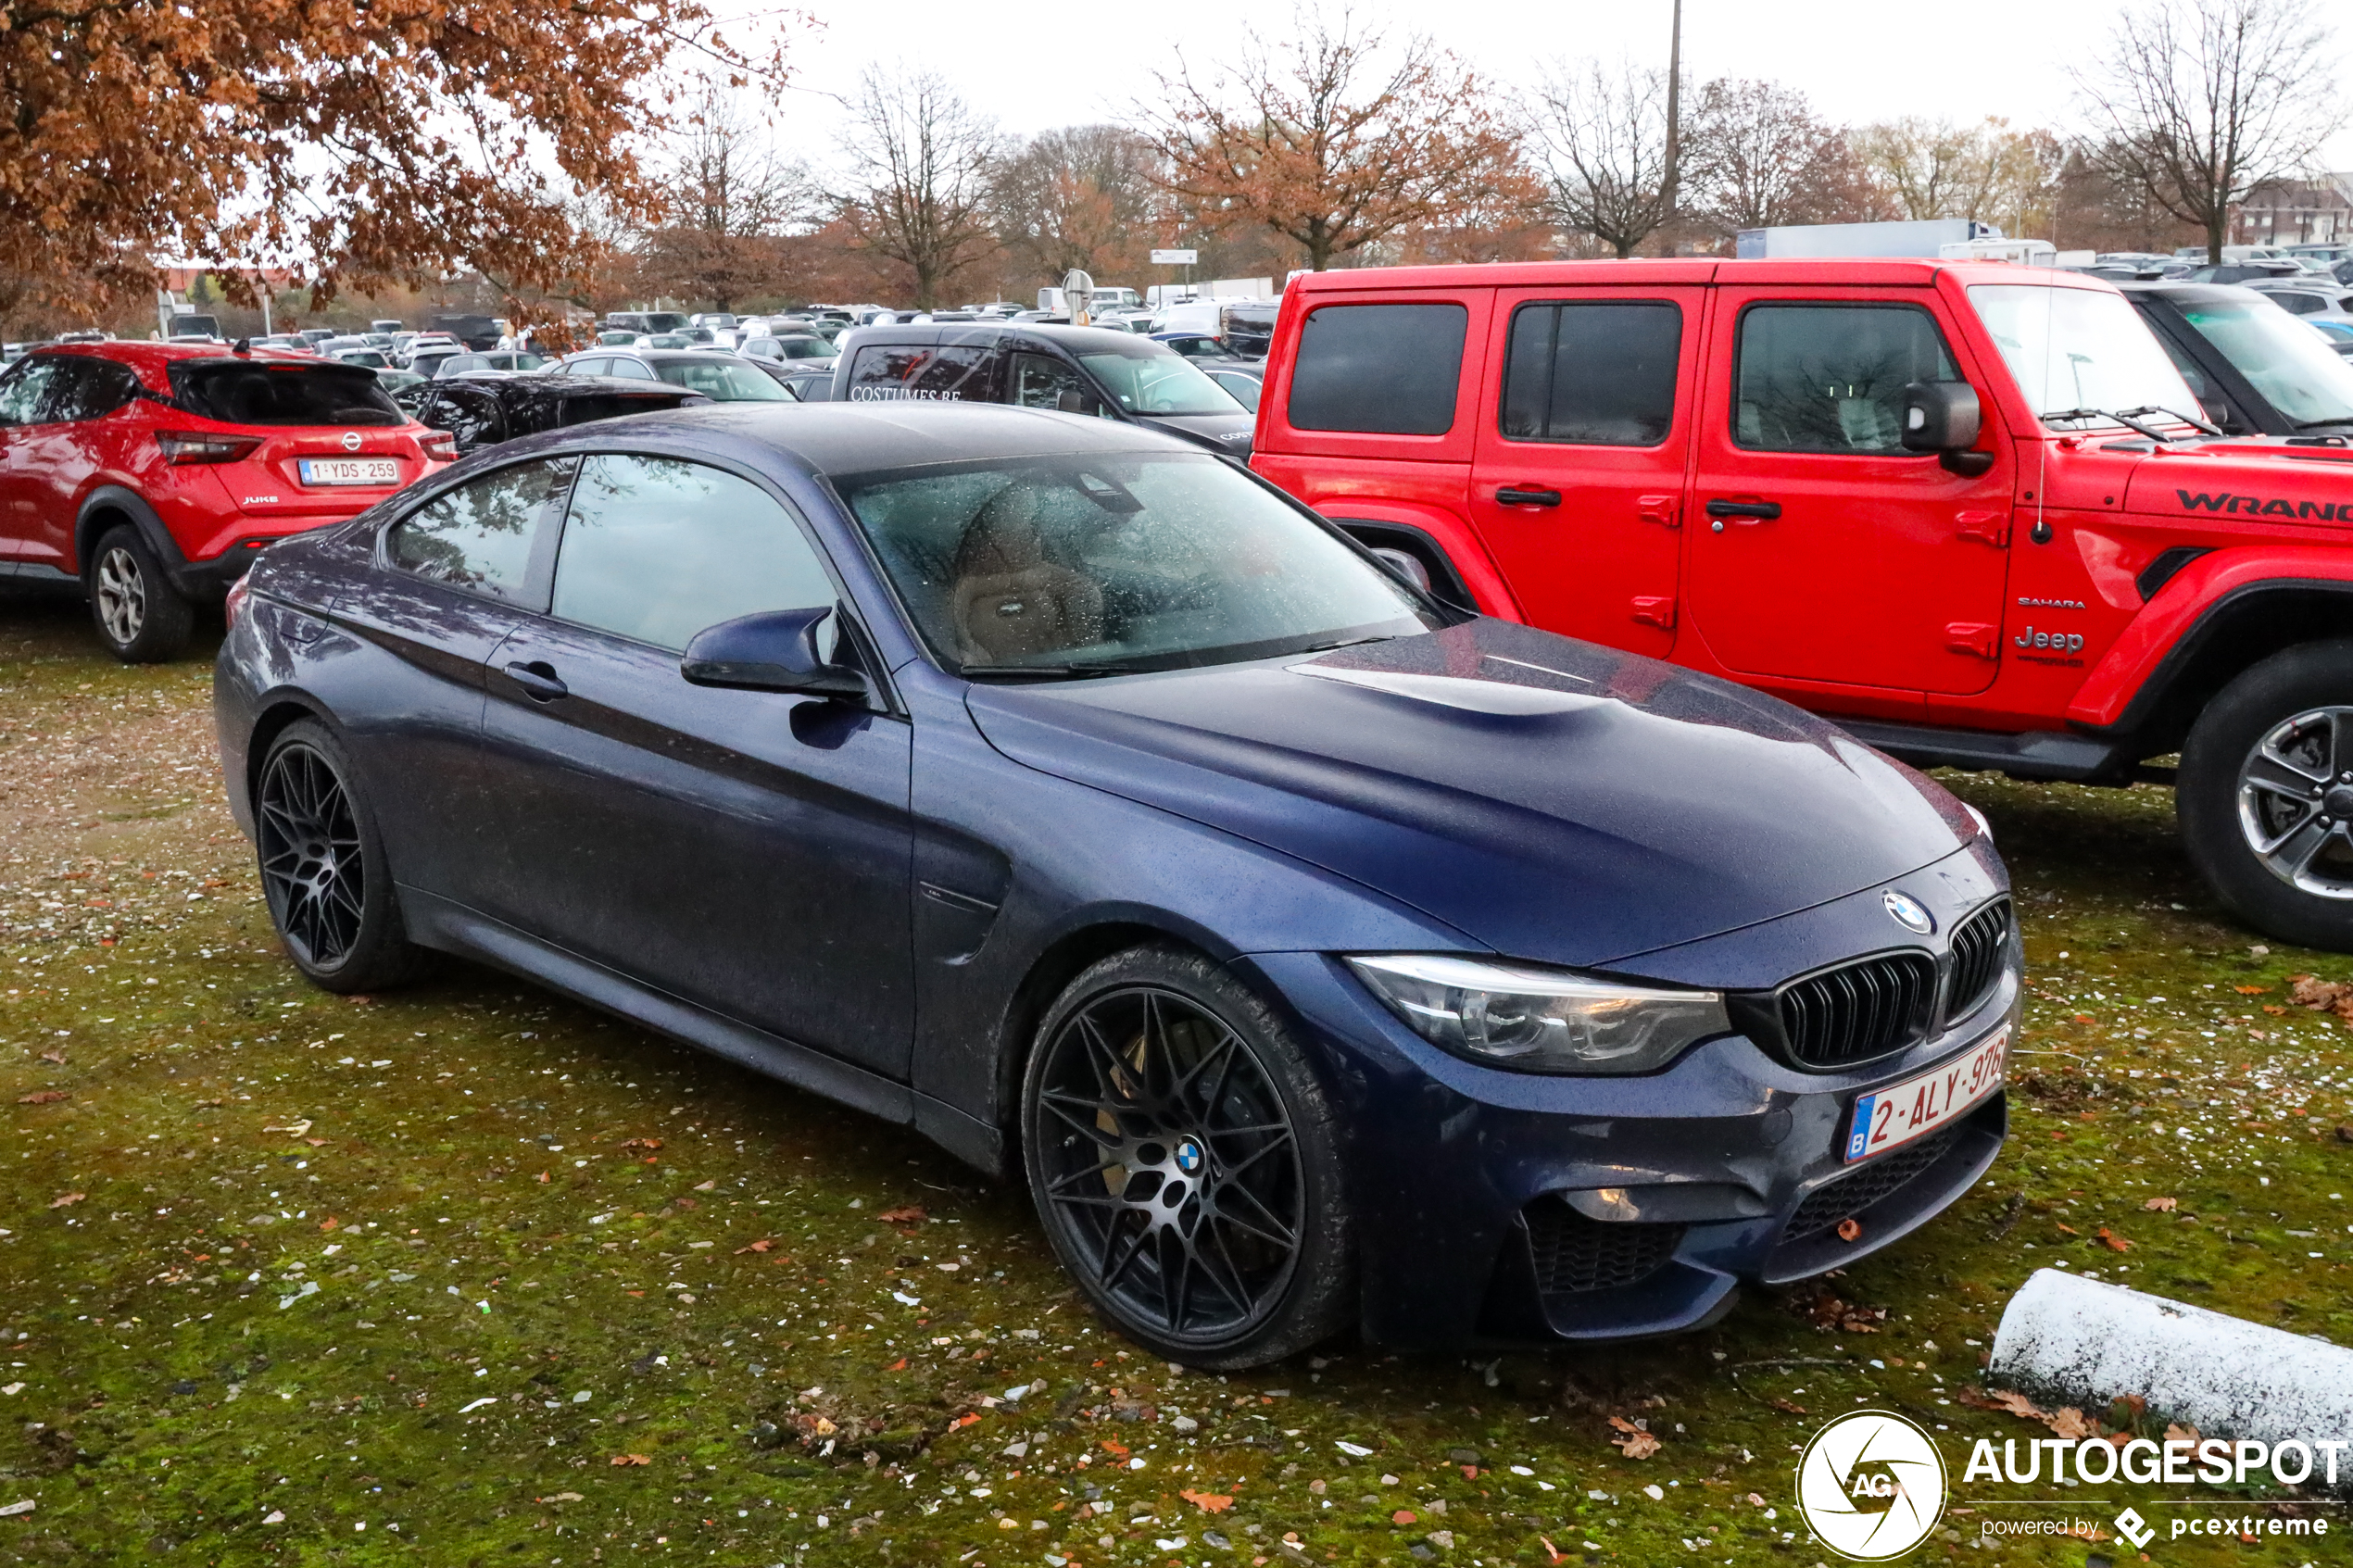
pixel 148 476
pixel 721 378
pixel 1322 959
pixel 1243 379
pixel 1076 370
pixel 429 359
pixel 2255 368
pixel 480 413
pixel 1996 539
pixel 497 362
pixel 2310 298
pixel 2339 333
pixel 643 320
pixel 789 346
pixel 367 357
pixel 2244 272
pixel 386 325
pixel 809 380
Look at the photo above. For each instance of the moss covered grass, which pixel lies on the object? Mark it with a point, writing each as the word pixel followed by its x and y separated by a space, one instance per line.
pixel 469 1275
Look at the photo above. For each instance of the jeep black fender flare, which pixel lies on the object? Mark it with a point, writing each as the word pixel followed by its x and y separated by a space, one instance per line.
pixel 109 503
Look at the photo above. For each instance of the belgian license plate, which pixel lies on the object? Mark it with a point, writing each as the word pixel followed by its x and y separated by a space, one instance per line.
pixel 1901 1112
pixel 350 470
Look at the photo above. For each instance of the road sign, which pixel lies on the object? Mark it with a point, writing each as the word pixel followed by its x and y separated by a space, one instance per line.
pixel 1175 257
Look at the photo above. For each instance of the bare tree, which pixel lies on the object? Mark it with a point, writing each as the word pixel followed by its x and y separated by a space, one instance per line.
pixel 1334 140
pixel 1943 169
pixel 730 196
pixel 1604 137
pixel 1757 155
pixel 922 158
pixel 1085 197
pixel 2200 101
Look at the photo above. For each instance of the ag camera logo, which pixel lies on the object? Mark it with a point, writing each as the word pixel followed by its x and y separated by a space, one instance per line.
pixel 1871 1484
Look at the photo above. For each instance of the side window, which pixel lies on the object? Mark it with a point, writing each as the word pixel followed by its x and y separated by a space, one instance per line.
pixel 654 550
pixel 85 388
pixel 1599 374
pixel 1385 369
pixel 923 373
pixel 1830 378
pixel 470 414
pixel 22 390
pixel 479 535
pixel 1040 381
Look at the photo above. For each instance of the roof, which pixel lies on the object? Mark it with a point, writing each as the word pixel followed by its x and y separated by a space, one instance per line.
pixel 845 438
pixel 152 361
pixel 1659 272
pixel 1078 340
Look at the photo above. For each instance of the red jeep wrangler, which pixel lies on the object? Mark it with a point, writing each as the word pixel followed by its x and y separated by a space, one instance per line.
pixel 1967 509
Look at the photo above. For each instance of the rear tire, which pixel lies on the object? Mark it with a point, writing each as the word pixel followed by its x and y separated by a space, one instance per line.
pixel 1186 1163
pixel 2265 795
pixel 140 616
pixel 323 866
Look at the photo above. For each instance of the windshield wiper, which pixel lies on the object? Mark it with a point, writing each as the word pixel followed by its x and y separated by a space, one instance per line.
pixel 2125 419
pixel 2190 419
pixel 1053 672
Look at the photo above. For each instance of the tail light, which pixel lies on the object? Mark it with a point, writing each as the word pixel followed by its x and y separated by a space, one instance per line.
pixel 439 446
pixel 193 447
pixel 234 604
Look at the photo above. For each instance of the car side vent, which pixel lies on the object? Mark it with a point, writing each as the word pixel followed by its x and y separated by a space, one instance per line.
pixel 1573 1254
pixel 1856 1011
pixel 1978 944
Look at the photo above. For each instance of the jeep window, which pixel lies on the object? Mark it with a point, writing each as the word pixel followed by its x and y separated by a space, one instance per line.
pixel 1830 378
pixel 1157 381
pixel 241 391
pixel 923 373
pixel 2083 349
pixel 1383 370
pixel 1597 374
pixel 2291 365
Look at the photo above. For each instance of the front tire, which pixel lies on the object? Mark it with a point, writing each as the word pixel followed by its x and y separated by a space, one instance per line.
pixel 2265 795
pixel 323 866
pixel 140 616
pixel 1184 1162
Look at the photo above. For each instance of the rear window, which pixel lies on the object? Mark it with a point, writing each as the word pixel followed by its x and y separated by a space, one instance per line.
pixel 1599 374
pixel 258 393
pixel 1383 370
pixel 597 405
pixel 923 373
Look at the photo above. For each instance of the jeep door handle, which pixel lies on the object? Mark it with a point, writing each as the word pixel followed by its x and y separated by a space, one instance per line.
pixel 1511 495
pixel 538 680
pixel 1755 511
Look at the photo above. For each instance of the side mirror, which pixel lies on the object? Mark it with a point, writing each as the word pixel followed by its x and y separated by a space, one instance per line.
pixel 773 651
pixel 1944 417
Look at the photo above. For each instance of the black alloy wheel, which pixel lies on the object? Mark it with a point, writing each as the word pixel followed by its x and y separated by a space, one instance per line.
pixel 323 866
pixel 1181 1159
pixel 2265 794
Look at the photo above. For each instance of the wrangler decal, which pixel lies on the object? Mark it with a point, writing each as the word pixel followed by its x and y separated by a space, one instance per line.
pixel 2256 506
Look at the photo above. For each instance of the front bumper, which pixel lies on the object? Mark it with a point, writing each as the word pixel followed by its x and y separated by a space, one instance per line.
pixel 1494 1207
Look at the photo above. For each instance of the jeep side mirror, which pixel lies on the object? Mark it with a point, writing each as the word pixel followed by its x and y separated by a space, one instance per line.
pixel 1944 417
pixel 773 651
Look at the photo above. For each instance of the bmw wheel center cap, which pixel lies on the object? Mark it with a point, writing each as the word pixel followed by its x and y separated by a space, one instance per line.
pixel 1907 912
pixel 1190 1159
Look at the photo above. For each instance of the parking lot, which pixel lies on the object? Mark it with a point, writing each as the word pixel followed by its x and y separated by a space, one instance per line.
pixel 470 1273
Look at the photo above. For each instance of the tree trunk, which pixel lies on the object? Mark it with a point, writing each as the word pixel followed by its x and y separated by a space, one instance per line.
pixel 2217 230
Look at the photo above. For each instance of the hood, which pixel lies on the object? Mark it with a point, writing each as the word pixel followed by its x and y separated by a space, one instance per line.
pixel 2297 480
pixel 1229 434
pixel 1551 799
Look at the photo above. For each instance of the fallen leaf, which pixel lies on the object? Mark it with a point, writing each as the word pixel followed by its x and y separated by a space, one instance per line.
pixel 631 1458
pixel 2178 1434
pixel 44 1096
pixel 1848 1229
pixel 69 1198
pixel 559 1497
pixel 2115 1243
pixel 329 1223
pixel 2069 1422
pixel 2273 1010
pixel 908 1214
pixel 705 1187
pixel 543 1176
pixel 296 1128
pixel 899 1365
pixel 2068 1228
pixel 641 1143
pixel 2161 1205
pixel 1117 1451
pixel 316 1143
pixel 2250 990
pixel 1552 1552
pixel 1785 1405
pixel 1218 1503
pixel 1636 1444
pixel 760 1245
pixel 57 1056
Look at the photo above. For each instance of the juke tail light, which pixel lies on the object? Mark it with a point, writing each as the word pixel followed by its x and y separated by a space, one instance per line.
pixel 203 447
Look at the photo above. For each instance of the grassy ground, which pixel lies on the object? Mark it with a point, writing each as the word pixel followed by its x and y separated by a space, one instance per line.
pixel 469 1275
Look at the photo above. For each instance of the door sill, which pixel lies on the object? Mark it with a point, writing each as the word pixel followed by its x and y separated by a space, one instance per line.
pixel 2041 755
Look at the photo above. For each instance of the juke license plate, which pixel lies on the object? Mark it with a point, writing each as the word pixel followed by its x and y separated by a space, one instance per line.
pixel 350 470
pixel 1888 1118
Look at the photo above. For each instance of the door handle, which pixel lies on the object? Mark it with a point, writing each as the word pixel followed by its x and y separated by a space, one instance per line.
pixel 1746 511
pixel 538 680
pixel 1513 496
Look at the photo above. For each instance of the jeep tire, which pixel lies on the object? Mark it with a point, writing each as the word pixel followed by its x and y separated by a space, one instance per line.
pixel 2265 795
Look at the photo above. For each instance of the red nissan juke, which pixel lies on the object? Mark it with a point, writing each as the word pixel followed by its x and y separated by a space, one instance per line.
pixel 150 475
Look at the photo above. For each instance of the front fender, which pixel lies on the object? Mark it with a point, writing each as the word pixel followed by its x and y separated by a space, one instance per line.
pixel 1454 537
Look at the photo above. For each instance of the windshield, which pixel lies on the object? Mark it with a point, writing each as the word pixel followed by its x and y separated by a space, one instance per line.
pixel 2079 348
pixel 250 393
pixel 803 348
pixel 1158 383
pixel 721 381
pixel 1142 560
pixel 2292 366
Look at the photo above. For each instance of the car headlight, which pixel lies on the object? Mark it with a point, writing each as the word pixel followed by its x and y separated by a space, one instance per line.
pixel 1540 1020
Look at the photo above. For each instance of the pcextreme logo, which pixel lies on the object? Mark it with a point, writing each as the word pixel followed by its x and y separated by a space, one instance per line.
pixel 1871 1484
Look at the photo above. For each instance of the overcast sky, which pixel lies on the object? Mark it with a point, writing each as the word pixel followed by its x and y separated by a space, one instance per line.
pixel 1034 66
